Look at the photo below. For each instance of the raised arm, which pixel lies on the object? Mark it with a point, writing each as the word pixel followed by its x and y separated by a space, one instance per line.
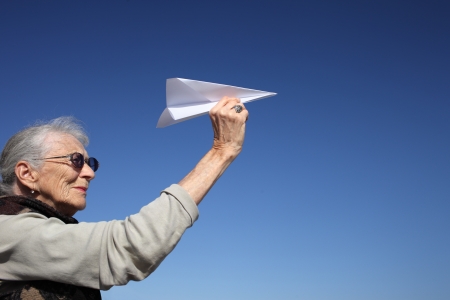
pixel 229 132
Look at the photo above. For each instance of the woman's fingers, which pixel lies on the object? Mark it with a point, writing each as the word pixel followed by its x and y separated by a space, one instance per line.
pixel 225 102
pixel 226 106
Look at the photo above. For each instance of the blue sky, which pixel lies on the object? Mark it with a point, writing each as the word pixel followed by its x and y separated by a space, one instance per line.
pixel 342 190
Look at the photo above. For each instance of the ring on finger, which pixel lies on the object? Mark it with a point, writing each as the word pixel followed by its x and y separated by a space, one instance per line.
pixel 237 108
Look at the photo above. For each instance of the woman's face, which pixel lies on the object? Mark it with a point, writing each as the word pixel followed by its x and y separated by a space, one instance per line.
pixel 59 183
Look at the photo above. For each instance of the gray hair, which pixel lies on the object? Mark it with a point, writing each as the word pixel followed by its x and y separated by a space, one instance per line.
pixel 28 145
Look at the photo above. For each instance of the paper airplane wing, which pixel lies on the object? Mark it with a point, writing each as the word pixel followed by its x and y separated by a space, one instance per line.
pixel 187 98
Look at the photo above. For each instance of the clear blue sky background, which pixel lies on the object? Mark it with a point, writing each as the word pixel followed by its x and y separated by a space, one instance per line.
pixel 343 188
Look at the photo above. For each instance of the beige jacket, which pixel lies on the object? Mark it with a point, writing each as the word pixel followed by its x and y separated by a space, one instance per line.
pixel 96 255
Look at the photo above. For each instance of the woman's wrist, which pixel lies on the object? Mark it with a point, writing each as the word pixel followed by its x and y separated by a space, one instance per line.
pixel 225 152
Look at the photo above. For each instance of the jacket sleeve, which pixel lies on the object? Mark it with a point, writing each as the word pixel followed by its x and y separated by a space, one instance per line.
pixel 97 255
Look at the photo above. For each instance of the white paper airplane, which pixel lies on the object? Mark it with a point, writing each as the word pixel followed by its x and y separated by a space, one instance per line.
pixel 187 99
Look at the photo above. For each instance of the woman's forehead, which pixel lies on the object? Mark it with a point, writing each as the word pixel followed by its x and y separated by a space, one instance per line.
pixel 63 142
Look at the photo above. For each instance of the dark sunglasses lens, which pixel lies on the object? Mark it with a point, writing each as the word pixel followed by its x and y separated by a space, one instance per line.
pixel 93 163
pixel 77 160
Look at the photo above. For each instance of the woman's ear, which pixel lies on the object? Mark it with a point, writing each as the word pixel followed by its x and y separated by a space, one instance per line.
pixel 25 174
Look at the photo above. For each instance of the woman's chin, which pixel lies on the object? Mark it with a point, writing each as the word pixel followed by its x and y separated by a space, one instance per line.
pixel 71 207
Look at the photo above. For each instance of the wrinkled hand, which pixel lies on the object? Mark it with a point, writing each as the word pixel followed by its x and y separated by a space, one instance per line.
pixel 228 126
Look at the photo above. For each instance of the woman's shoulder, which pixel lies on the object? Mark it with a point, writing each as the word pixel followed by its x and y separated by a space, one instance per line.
pixel 26 216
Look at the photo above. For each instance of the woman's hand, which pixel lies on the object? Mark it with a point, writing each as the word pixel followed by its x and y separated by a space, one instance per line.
pixel 228 126
pixel 229 132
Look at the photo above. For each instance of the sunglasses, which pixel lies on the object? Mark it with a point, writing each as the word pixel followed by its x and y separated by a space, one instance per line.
pixel 78 160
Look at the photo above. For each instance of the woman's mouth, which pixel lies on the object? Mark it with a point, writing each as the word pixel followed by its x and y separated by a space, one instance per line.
pixel 81 189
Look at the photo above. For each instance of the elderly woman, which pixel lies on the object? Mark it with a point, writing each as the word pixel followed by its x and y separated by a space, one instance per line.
pixel 46 254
